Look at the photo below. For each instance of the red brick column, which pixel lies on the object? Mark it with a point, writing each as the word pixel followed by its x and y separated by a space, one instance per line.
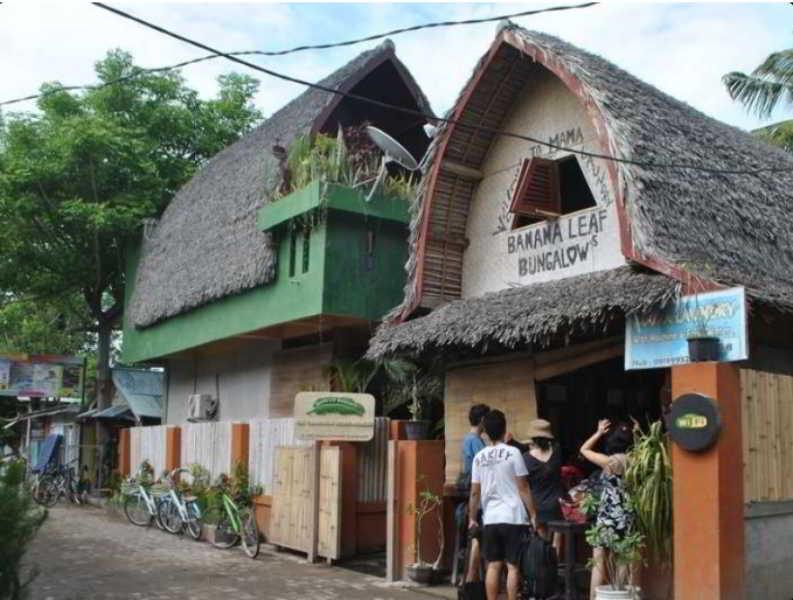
pixel 708 493
pixel 240 443
pixel 123 452
pixel 173 447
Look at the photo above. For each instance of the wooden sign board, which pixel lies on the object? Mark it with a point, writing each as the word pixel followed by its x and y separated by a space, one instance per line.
pixel 334 416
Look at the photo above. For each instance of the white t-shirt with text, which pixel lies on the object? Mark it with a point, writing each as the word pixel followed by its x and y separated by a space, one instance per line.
pixel 495 469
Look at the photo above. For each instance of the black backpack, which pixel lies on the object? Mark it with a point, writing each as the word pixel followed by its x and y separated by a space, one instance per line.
pixel 538 565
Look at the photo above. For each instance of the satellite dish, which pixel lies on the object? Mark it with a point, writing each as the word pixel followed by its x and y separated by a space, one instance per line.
pixel 393 152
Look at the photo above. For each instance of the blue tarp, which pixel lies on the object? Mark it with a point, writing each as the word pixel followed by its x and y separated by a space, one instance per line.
pixel 48 451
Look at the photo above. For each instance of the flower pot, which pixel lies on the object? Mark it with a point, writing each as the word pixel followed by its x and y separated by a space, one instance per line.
pixel 420 574
pixel 703 349
pixel 607 592
pixel 418 430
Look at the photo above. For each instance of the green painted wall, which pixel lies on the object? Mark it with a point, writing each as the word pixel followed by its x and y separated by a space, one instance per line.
pixel 342 278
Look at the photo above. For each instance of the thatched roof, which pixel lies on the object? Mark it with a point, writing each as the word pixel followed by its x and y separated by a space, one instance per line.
pixel 726 228
pixel 206 245
pixel 530 316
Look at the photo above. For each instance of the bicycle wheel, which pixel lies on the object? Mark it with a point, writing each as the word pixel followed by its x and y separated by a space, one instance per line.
pixel 193 524
pixel 49 491
pixel 169 515
pixel 136 510
pixel 250 533
pixel 157 520
pixel 225 536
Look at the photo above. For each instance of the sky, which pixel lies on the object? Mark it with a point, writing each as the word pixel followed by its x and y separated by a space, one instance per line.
pixel 683 49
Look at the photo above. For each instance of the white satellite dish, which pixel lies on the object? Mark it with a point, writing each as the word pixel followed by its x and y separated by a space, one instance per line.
pixel 393 151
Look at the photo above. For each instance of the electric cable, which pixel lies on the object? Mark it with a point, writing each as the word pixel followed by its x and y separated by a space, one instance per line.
pixel 431 118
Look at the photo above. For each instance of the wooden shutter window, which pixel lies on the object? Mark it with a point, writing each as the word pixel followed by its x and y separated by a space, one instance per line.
pixel 537 194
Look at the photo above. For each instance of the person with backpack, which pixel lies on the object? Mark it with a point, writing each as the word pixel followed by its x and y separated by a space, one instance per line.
pixel 499 485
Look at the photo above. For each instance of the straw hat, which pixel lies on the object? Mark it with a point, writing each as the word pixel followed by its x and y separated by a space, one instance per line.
pixel 539 428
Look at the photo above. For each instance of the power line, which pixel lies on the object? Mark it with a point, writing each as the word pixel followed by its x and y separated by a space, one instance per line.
pixel 405 110
pixel 351 42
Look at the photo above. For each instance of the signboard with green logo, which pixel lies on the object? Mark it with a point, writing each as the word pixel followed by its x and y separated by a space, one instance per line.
pixel 334 416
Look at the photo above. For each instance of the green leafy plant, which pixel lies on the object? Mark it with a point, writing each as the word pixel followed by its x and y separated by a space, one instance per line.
pixel 410 385
pixel 427 503
pixel 648 481
pixel 20 519
pixel 622 553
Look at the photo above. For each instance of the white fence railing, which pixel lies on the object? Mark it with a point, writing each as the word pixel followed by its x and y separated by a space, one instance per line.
pixel 372 464
pixel 147 443
pixel 265 436
pixel 209 445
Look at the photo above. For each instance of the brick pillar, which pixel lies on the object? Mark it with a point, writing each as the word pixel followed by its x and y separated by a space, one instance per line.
pixel 240 441
pixel 708 493
pixel 173 447
pixel 123 452
pixel 349 498
pixel 413 467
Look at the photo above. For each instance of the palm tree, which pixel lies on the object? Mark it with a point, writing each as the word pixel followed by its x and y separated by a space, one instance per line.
pixel 762 90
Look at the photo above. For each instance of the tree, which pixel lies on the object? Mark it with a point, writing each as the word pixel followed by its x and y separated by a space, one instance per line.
pixel 763 89
pixel 78 178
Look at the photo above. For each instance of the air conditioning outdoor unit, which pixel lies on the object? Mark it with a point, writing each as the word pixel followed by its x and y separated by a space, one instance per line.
pixel 201 407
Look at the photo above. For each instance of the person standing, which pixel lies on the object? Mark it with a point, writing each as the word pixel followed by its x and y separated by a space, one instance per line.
pixel 544 464
pixel 472 443
pixel 615 515
pixel 500 486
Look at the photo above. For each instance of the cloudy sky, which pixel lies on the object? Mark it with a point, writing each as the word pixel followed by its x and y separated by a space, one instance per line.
pixel 684 49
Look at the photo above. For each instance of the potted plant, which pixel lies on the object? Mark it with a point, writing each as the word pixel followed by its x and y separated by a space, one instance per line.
pixel 418 389
pixel 424 572
pixel 701 345
pixel 622 553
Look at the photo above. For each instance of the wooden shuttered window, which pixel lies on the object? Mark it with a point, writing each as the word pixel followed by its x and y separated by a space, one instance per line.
pixel 536 195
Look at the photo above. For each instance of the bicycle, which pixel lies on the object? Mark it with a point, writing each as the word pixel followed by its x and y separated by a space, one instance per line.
pixel 57 482
pixel 141 504
pixel 178 512
pixel 234 524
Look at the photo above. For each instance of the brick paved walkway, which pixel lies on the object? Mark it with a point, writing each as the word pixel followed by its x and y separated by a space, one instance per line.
pixel 86 553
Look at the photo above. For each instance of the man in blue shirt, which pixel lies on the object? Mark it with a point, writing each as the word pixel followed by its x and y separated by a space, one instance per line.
pixel 472 443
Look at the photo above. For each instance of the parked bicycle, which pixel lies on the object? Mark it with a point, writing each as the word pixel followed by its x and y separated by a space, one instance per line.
pixel 141 502
pixel 179 512
pixel 233 524
pixel 55 483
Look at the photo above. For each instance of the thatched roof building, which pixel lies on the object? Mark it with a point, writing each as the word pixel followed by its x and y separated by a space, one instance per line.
pixel 718 225
pixel 206 245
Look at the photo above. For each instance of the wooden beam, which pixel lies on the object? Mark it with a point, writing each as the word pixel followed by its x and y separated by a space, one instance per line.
pixel 463 171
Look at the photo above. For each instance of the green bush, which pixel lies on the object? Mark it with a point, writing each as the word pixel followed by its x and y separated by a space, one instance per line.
pixel 20 519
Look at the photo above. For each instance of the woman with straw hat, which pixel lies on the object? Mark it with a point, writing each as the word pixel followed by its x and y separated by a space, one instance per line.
pixel 544 463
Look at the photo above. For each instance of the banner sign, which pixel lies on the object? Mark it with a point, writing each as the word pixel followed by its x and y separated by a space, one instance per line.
pixel 336 416
pixel 41 375
pixel 661 339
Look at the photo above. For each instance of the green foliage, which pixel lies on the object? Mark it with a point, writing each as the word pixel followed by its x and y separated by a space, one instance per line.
pixel 410 385
pixel 648 481
pixel 20 519
pixel 427 503
pixel 78 178
pixel 780 134
pixel 769 84
pixel 349 159
pixel 49 326
pixel 353 376
pixel 623 552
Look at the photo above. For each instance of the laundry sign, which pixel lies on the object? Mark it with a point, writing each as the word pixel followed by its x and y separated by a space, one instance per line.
pixel 334 416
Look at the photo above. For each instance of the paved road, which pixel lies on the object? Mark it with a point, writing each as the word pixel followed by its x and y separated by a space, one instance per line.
pixel 85 553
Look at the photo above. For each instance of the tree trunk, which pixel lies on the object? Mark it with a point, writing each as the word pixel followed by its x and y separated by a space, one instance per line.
pixel 104 398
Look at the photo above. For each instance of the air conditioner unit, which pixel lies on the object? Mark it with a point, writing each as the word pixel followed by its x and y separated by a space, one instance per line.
pixel 201 407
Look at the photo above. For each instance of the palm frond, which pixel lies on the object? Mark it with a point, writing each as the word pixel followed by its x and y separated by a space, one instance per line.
pixel 777 67
pixel 755 93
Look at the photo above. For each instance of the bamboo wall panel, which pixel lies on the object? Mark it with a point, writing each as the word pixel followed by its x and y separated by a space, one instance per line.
pixel 372 463
pixel 296 371
pixel 209 445
pixel 291 524
pixel 508 386
pixel 767 414
pixel 329 510
pixel 147 443
pixel 265 436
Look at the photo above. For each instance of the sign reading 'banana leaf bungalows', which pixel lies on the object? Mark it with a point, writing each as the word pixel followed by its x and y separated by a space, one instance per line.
pixel 336 416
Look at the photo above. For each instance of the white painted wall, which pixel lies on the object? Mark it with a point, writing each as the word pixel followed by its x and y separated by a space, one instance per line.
pixel 239 377
pixel 582 242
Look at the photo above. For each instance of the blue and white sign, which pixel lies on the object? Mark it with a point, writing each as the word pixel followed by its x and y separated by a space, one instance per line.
pixel 660 339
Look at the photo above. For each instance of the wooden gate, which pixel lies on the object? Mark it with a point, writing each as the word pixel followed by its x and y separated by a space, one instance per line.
pixel 306 500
